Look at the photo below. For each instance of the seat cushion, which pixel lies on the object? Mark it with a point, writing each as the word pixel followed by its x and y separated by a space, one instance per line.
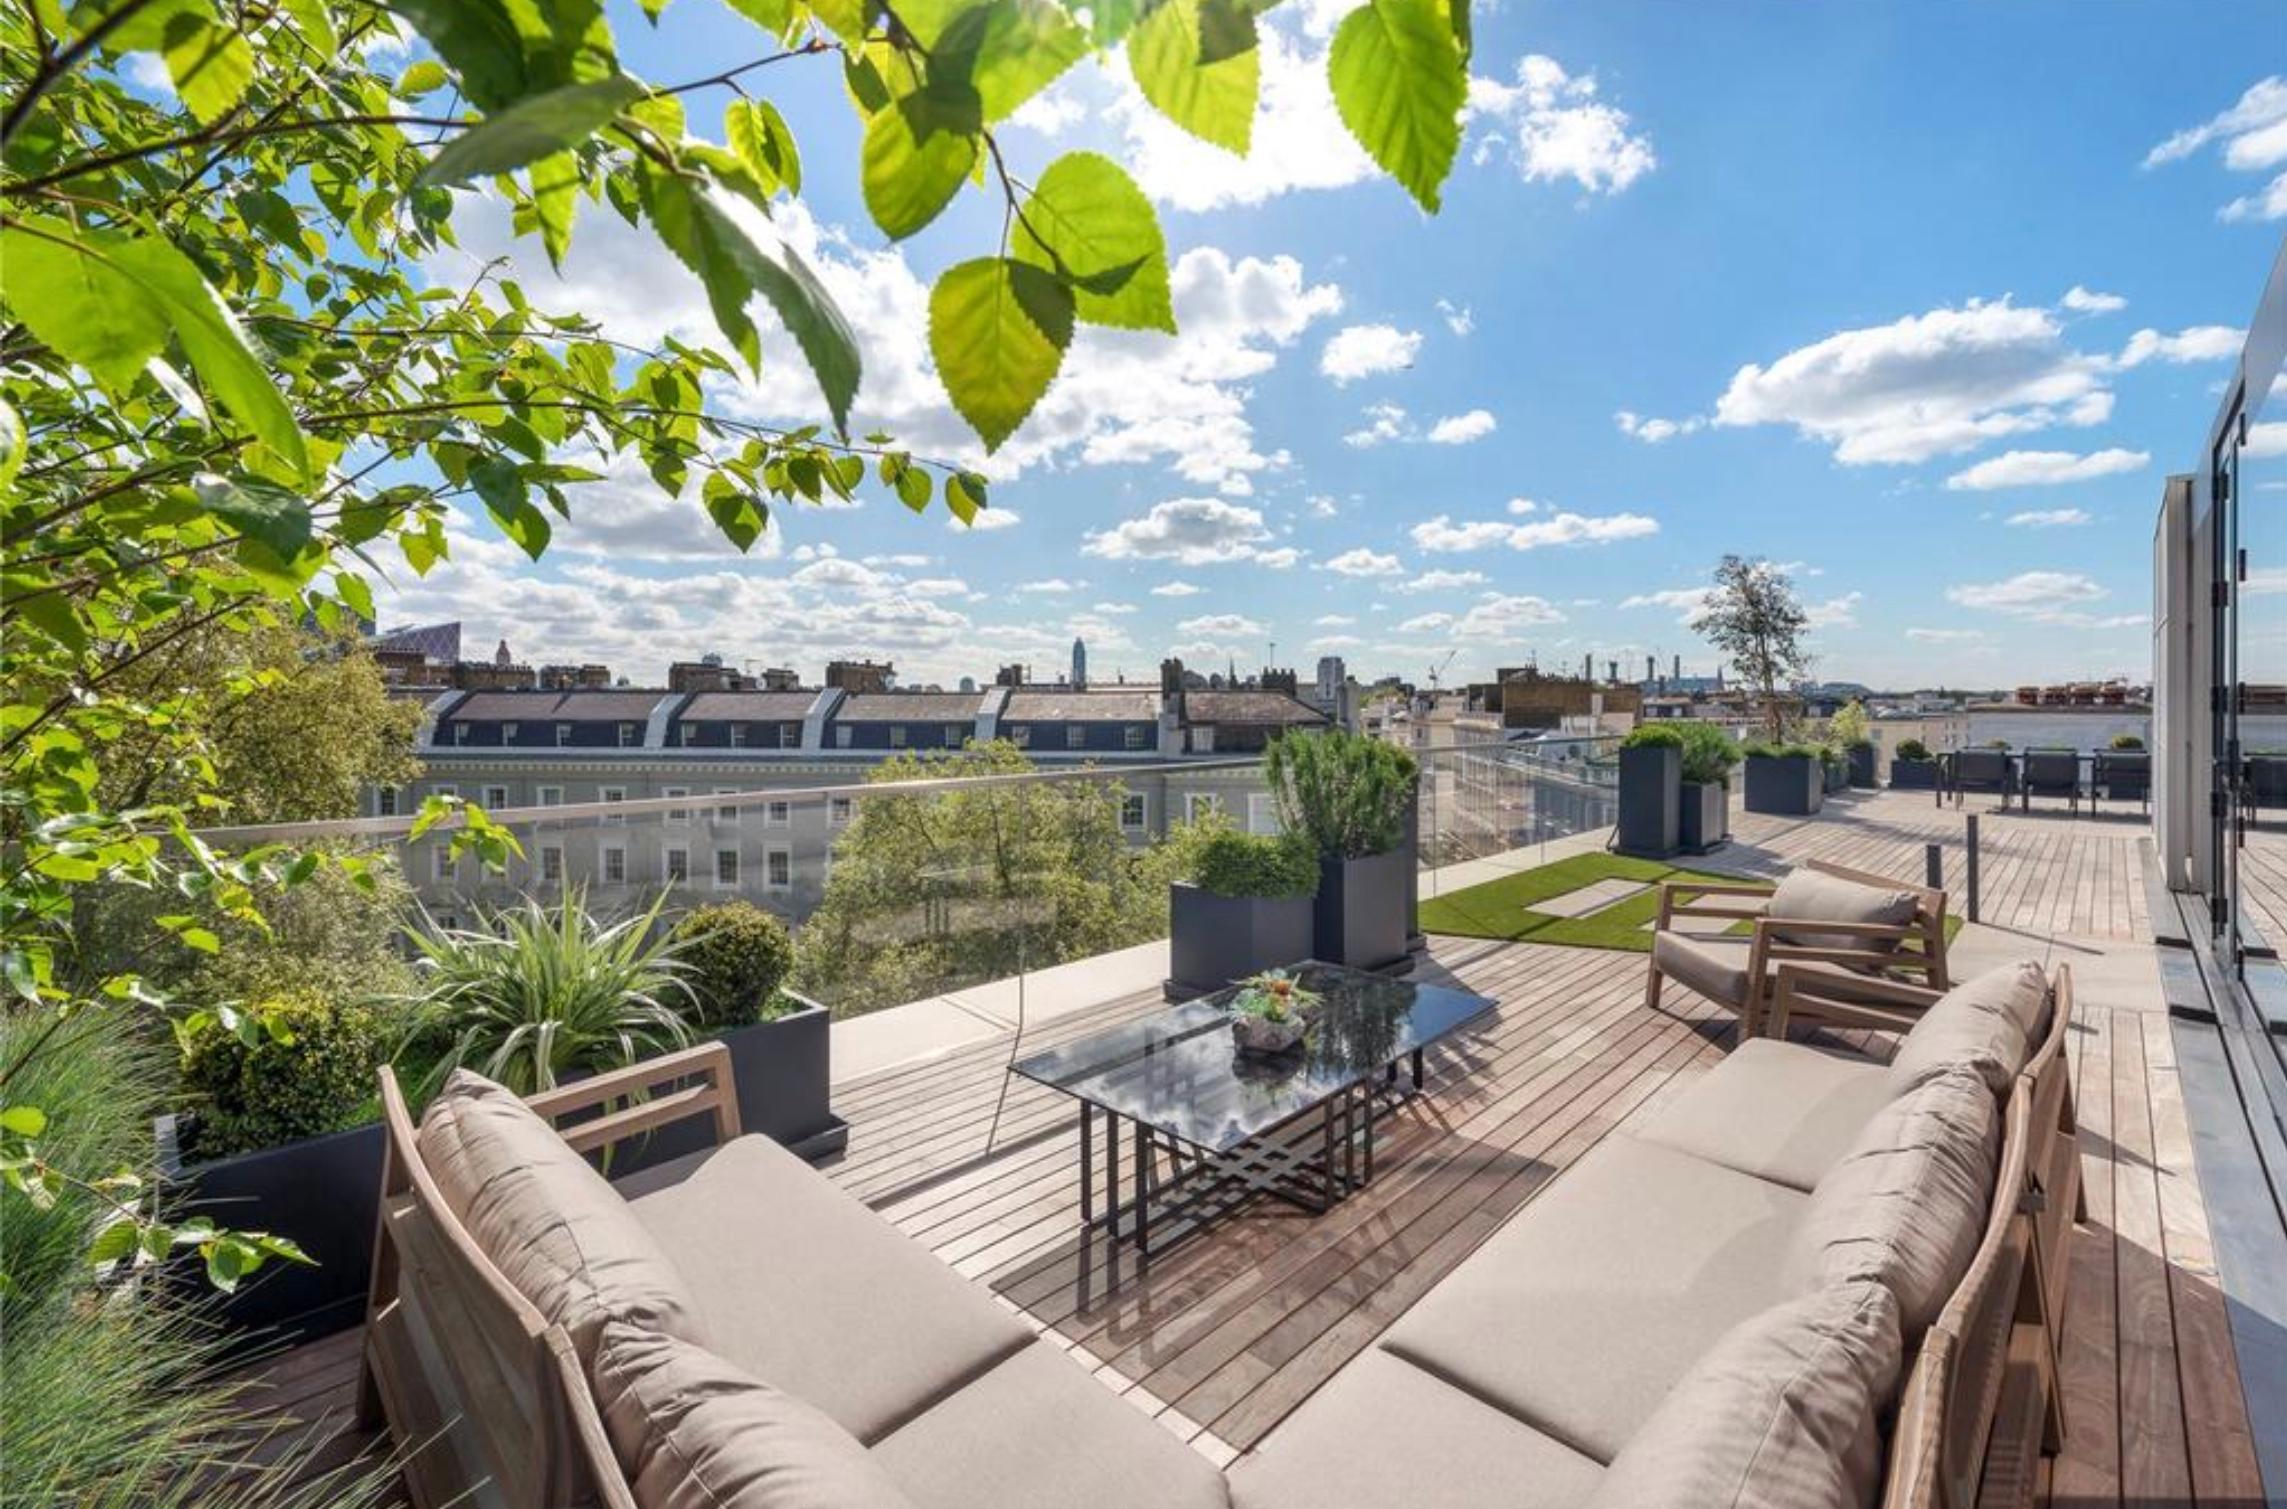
pixel 1815 896
pixel 1038 1432
pixel 1384 1432
pixel 1779 1111
pixel 693 1431
pixel 1715 967
pixel 1780 1414
pixel 565 1238
pixel 1582 1312
pixel 1906 1206
pixel 1989 1021
pixel 807 1289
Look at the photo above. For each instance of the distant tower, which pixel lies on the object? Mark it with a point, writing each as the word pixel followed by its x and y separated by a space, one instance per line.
pixel 501 655
pixel 1079 663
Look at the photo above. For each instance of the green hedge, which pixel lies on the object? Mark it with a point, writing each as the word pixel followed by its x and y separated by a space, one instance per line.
pixel 312 1072
pixel 1653 736
pixel 736 957
pixel 1230 863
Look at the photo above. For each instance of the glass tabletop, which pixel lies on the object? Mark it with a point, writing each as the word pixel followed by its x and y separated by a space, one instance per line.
pixel 1178 1070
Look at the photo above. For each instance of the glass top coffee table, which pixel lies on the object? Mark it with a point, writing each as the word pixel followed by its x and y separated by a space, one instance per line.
pixel 1229 1125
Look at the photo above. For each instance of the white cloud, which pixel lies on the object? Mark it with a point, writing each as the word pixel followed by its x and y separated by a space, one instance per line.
pixel 2266 440
pixel 1385 422
pixel 1357 351
pixel 2085 301
pixel 1928 385
pixel 1054 586
pixel 1188 531
pixel 900 560
pixel 1277 560
pixel 1460 429
pixel 1835 612
pixel 1220 625
pixel 1113 610
pixel 1458 317
pixel 1682 599
pixel 1364 562
pixel 1945 636
pixel 2049 518
pixel 1336 642
pixel 1176 589
pixel 987 521
pixel 1552 125
pixel 2044 469
pixel 2200 343
pixel 1498 616
pixel 2254 134
pixel 1444 581
pixel 1426 623
pixel 1523 506
pixel 1333 621
pixel 1653 431
pixel 1322 506
pixel 1442 534
pixel 2057 597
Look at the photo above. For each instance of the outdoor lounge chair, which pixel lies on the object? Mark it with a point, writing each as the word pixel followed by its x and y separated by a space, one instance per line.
pixel 1846 923
pixel 2051 772
pixel 2122 775
pixel 1987 770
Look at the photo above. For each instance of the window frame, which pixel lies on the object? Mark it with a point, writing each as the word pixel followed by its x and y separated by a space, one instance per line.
pixel 722 853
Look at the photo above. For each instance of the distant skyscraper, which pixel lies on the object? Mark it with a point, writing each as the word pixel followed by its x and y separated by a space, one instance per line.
pixel 1079 663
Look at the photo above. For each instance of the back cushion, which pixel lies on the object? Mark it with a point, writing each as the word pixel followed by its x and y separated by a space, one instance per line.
pixel 1780 1414
pixel 1989 1022
pixel 1812 896
pixel 693 1431
pixel 1907 1205
pixel 548 1221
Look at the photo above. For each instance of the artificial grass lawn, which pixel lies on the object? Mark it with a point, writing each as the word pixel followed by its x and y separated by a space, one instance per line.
pixel 1503 908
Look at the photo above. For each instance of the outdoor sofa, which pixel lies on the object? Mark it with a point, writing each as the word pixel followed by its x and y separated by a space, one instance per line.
pixel 1811 1278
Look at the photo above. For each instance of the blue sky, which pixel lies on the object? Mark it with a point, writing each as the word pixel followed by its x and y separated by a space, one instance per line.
pixel 1788 280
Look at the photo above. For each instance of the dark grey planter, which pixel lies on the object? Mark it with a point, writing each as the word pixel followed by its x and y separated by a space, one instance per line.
pixel 1913 775
pixel 1359 917
pixel 1785 785
pixel 1834 777
pixel 1214 940
pixel 323 1193
pixel 1862 766
pixel 1705 816
pixel 783 1070
pixel 1651 798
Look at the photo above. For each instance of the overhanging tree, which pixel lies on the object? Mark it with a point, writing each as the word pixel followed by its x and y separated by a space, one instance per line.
pixel 1753 616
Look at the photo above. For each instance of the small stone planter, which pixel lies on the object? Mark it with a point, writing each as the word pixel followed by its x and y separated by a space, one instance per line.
pixel 1214 940
pixel 1651 798
pixel 1360 916
pixel 1913 775
pixel 1785 785
pixel 1862 766
pixel 1704 816
pixel 1263 1037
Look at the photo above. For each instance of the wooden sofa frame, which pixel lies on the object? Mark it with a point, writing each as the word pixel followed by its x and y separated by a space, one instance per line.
pixel 1915 947
pixel 485 1398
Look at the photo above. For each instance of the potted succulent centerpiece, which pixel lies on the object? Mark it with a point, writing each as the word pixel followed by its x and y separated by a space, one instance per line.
pixel 1651 794
pixel 1271 1013
pixel 1785 780
pixel 1351 799
pixel 1912 768
pixel 1243 906
pixel 1704 812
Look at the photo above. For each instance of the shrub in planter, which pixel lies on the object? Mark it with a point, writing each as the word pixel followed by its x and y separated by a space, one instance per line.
pixel 303 1067
pixel 1708 755
pixel 735 958
pixel 1242 906
pixel 1787 780
pixel 1912 768
pixel 1351 798
pixel 1235 864
pixel 2126 742
pixel 1651 776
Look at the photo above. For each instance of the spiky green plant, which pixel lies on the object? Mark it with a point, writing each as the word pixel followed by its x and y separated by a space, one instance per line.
pixel 1347 793
pixel 547 989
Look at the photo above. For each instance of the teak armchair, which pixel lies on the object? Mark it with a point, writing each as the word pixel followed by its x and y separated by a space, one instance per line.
pixel 1737 970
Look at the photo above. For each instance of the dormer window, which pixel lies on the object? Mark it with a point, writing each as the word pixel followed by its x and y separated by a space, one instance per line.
pixel 1075 736
pixel 563 734
pixel 508 733
pixel 630 735
pixel 738 736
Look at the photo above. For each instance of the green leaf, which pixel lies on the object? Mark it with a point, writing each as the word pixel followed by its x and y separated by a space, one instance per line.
pixel 210 64
pixel 556 202
pixel 916 153
pixel 532 129
pixel 506 497
pixel 82 306
pixel 965 495
pixel 313 19
pixel 773 16
pixel 478 43
pixel 425 77
pixel 114 1242
pixel 257 510
pixel 12 445
pixel 1088 223
pixel 758 135
pixel 998 329
pixel 804 306
pixel 24 1121
pixel 736 512
pixel 844 18
pixel 1006 50
pixel 1213 100
pixel 1399 83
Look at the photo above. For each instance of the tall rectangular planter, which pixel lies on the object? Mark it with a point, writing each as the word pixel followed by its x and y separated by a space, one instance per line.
pixel 1785 785
pixel 1651 797
pixel 1705 816
pixel 1862 766
pixel 1913 775
pixel 783 1069
pixel 1359 917
pixel 1214 940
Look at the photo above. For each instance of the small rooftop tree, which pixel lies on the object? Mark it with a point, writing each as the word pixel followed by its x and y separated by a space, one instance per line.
pixel 1753 616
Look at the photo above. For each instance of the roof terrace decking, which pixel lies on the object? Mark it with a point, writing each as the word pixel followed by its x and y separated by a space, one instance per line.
pixel 1229 1332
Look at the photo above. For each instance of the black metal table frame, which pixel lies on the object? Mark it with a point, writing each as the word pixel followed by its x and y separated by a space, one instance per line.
pixel 1273 1162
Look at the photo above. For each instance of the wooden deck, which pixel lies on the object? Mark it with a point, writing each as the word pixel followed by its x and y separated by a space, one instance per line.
pixel 1232 1329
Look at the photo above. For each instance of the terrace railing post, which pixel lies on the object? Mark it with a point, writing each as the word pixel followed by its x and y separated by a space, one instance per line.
pixel 1934 866
pixel 1972 858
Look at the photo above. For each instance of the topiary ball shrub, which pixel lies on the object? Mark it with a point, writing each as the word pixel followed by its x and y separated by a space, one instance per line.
pixel 736 956
pixel 1230 863
pixel 2127 742
pixel 310 1071
pixel 1653 736
pixel 1913 749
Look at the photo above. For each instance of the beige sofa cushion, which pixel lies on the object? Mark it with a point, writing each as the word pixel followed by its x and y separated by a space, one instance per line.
pixel 1039 1432
pixel 1780 1414
pixel 1580 1313
pixel 693 1431
pixel 1989 1021
pixel 800 1284
pixel 1814 896
pixel 1715 967
pixel 1780 1111
pixel 548 1221
pixel 1383 1432
pixel 1907 1205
